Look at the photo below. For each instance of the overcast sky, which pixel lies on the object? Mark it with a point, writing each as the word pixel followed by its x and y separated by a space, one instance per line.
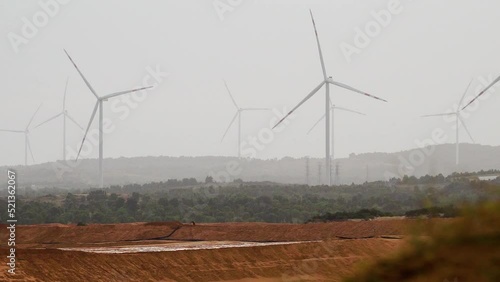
pixel 420 60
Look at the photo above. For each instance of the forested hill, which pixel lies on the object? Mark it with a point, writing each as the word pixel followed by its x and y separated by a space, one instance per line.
pixel 355 169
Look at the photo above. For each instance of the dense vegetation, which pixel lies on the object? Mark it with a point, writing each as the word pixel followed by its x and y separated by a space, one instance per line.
pixel 448 211
pixel 364 214
pixel 187 200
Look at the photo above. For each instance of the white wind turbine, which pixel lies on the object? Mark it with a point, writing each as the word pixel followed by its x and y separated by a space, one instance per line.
pixel 238 113
pixel 26 132
pixel 333 108
pixel 64 113
pixel 327 80
pixel 459 119
pixel 99 104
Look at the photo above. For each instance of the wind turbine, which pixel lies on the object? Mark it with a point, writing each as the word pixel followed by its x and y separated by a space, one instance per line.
pixel 26 132
pixel 99 104
pixel 238 113
pixel 327 80
pixel 482 92
pixel 65 115
pixel 333 108
pixel 459 119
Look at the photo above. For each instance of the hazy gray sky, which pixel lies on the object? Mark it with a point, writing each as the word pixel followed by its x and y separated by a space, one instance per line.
pixel 421 61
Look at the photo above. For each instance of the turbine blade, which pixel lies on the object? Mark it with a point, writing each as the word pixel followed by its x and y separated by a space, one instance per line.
pixel 31 120
pixel 347 110
pixel 439 115
pixel 303 101
pixel 124 92
pixel 319 46
pixel 74 121
pixel 463 96
pixel 230 124
pixel 29 148
pixel 14 131
pixel 231 95
pixel 88 127
pixel 320 119
pixel 354 89
pixel 256 109
pixel 52 118
pixel 482 92
pixel 466 129
pixel 64 98
pixel 83 77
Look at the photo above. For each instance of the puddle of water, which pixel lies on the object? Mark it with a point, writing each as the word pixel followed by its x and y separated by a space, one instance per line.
pixel 175 247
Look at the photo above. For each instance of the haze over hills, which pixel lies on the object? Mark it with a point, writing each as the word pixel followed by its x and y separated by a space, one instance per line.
pixel 433 160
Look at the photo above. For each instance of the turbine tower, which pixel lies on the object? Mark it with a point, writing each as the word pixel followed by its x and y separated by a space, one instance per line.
pixel 64 113
pixel 327 80
pixel 333 108
pixel 459 119
pixel 26 132
pixel 99 104
pixel 238 113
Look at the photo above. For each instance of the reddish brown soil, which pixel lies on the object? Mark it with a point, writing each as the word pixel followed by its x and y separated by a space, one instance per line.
pixel 94 233
pixel 320 261
pixel 59 234
pixel 264 232
pixel 338 247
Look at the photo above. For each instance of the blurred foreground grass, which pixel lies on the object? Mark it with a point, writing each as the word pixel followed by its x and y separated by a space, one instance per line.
pixel 466 248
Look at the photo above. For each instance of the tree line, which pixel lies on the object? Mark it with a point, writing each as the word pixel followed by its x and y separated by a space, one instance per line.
pixel 250 202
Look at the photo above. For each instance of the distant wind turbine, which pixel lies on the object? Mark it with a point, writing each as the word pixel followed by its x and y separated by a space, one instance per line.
pixel 27 144
pixel 327 80
pixel 333 108
pixel 64 113
pixel 459 119
pixel 238 113
pixel 99 104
